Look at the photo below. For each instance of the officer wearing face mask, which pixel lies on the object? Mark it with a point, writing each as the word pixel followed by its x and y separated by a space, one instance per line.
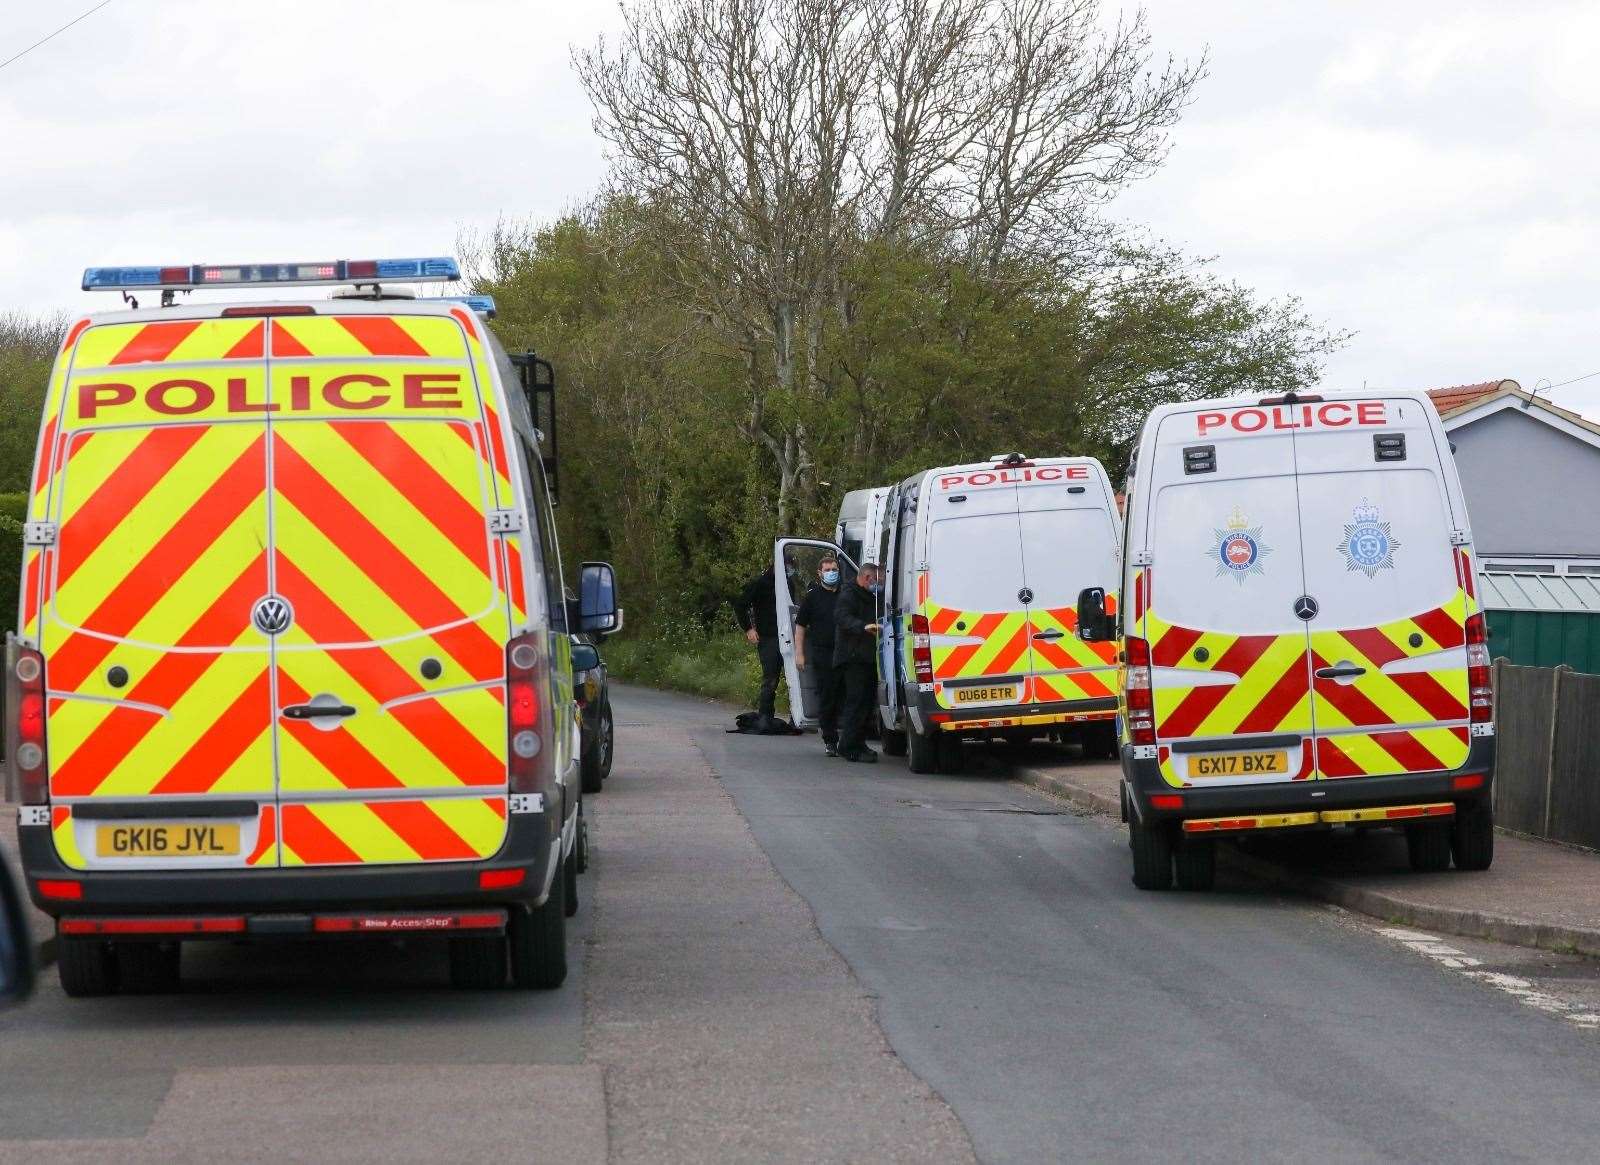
pixel 855 653
pixel 813 646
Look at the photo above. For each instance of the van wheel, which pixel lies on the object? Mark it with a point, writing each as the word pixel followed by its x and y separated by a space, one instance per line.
pixel 582 848
pixel 608 733
pixel 1428 846
pixel 478 962
pixel 952 753
pixel 923 752
pixel 85 966
pixel 569 876
pixel 590 763
pixel 1472 836
pixel 1102 742
pixel 148 968
pixel 538 937
pixel 1196 863
pixel 894 742
pixel 1152 855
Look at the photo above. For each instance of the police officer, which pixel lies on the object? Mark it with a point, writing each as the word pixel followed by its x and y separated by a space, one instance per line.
pixel 757 610
pixel 855 654
pixel 813 644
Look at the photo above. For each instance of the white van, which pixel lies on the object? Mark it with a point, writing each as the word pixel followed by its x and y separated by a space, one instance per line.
pixel 984 563
pixel 1304 646
pixel 860 523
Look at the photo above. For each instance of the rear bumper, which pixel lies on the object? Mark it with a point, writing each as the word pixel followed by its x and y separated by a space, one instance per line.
pixel 1141 778
pixel 998 717
pixel 531 840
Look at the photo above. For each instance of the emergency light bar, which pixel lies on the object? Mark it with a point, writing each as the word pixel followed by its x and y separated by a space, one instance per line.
pixel 482 304
pixel 438 270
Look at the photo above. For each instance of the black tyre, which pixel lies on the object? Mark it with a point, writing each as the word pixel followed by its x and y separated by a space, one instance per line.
pixel 952 754
pixel 148 968
pixel 591 774
pixel 85 966
pixel 569 876
pixel 582 847
pixel 922 752
pixel 1195 862
pixel 478 961
pixel 538 937
pixel 894 742
pixel 608 738
pixel 1152 854
pixel 1472 836
pixel 1428 846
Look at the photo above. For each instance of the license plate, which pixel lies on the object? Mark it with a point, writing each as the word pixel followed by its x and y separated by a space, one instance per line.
pixel 1000 693
pixel 1238 764
pixel 167 840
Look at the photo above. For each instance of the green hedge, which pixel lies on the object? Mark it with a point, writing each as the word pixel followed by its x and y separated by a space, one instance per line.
pixel 13 508
pixel 679 656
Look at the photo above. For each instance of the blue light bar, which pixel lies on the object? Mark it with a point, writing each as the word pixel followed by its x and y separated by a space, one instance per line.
pixel 482 304
pixel 437 270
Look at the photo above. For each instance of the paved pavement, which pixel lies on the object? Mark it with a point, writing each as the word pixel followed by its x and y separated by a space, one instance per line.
pixel 1537 893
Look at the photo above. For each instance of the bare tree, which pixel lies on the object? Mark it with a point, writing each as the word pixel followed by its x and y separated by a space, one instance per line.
pixel 776 138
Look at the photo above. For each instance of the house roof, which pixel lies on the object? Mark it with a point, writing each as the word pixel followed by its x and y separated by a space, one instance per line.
pixel 1460 396
pixel 1517 591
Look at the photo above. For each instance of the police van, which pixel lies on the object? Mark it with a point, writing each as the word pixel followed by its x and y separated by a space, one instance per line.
pixel 293 655
pixel 1303 641
pixel 983 567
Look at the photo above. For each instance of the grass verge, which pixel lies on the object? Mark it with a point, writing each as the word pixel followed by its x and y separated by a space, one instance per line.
pixel 723 667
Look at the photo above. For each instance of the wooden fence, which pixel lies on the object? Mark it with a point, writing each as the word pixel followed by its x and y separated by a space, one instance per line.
pixel 1547 766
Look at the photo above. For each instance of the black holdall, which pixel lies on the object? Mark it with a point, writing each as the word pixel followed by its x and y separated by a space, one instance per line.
pixel 749 723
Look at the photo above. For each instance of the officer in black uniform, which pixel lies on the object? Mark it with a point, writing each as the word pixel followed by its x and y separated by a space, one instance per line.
pixel 855 654
pixel 813 645
pixel 757 610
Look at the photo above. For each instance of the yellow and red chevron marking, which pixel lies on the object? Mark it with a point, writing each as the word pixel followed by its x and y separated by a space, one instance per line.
pixel 1412 750
pixel 1062 669
pixel 64 833
pixel 997 642
pixel 436 829
pixel 109 346
pixel 1271 691
pixel 366 335
pixel 159 558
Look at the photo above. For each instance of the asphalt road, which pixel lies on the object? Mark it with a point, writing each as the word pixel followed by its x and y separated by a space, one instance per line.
pixel 1065 1015
pixel 785 957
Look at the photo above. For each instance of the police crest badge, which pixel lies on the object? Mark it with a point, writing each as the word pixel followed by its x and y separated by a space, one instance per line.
pixel 1369 544
pixel 1238 549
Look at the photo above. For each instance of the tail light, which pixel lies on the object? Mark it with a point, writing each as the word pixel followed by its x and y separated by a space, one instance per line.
pixel 921 649
pixel 527 714
pixel 1141 709
pixel 1480 687
pixel 25 698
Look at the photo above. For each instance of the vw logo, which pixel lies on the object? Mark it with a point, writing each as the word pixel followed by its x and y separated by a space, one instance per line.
pixel 272 615
pixel 1305 607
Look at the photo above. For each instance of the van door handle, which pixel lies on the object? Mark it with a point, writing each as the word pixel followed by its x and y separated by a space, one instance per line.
pixel 307 711
pixel 1339 673
pixel 1050 634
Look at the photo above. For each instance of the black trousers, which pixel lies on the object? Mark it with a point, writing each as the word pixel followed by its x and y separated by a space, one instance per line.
pixel 830 692
pixel 771 671
pixel 860 690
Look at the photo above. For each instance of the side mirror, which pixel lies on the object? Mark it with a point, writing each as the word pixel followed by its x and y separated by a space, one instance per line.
pixel 1094 625
pixel 16 945
pixel 597 599
pixel 585 657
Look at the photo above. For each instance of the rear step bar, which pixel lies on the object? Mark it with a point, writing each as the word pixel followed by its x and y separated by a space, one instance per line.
pixel 480 921
pixel 1325 817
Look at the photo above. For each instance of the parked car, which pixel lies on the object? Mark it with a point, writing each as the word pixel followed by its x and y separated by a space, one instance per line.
pixel 589 679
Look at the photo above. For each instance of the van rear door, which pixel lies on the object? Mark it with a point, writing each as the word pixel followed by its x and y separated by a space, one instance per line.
pixel 1388 643
pixel 976 603
pixel 1069 542
pixel 387 463
pixel 1229 650
pixel 160 705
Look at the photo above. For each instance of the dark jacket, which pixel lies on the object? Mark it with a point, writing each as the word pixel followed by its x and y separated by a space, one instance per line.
pixel 757 605
pixel 816 615
pixel 852 642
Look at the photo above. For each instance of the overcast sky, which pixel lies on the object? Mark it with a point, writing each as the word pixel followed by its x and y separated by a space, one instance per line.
pixel 1421 173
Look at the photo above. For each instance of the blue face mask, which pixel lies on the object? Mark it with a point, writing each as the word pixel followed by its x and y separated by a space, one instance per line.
pixel 830 578
pixel 875 587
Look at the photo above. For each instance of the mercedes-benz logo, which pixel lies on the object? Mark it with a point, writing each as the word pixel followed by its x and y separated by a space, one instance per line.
pixel 1305 607
pixel 272 615
pixel 1025 595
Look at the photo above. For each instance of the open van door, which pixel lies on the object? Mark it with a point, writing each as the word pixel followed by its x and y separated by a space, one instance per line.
pixel 794 568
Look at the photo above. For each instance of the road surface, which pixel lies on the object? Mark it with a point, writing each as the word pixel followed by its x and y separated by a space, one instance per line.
pixel 785 957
